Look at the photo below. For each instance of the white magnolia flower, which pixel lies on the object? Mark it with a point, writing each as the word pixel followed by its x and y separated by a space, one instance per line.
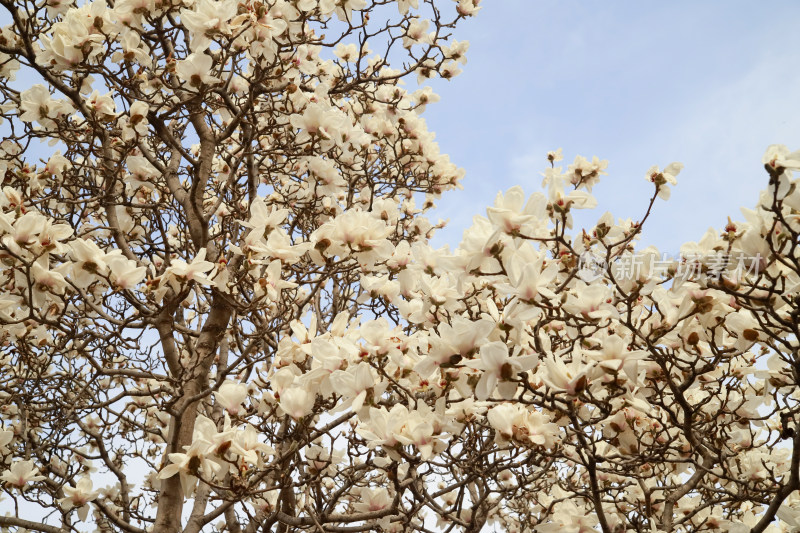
pixel 102 104
pixel 196 70
pixel 191 465
pixel 89 261
pixel 499 368
pixel 46 282
pixel 404 5
pixel 231 396
pixel 297 402
pixel 125 274
pixel 37 105
pixel 6 436
pixel 571 378
pixel 78 497
pixel 179 271
pixel 384 426
pixel 376 499
pixel 20 473
pixel 353 385
pixel 248 447
pixel 664 178
pixel 207 18
pixel 454 343
pixel 779 156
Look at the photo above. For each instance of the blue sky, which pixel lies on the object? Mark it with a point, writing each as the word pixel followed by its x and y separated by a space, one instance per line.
pixel 709 84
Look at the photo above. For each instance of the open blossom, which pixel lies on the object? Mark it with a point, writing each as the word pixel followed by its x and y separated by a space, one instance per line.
pixel 231 396
pixel 75 38
pixel 416 33
pixel 102 105
pixel 262 217
pixel 511 214
pixel 592 302
pixel 498 369
pixel 6 437
pixel 78 497
pixel 355 232
pixel 195 70
pixel 454 343
pixel 297 402
pixel 384 426
pixel 26 229
pixel 342 8
pixel 247 445
pixel 790 514
pixel 468 8
pixel 46 282
pixel 664 178
pixel 572 378
pixel 138 117
pixel 206 18
pixel 585 173
pixel 530 280
pixel 615 357
pixel 277 245
pixel 354 385
pixel 20 473
pixel 179 271
pixel 375 499
pixel 191 464
pixel 57 164
pixel 89 261
pixel 320 121
pixel 779 156
pixel 569 517
pixel 37 105
pixel 554 156
pixel 271 283
pixel 323 459
pixel 124 273
pixel 419 432
pixel 512 421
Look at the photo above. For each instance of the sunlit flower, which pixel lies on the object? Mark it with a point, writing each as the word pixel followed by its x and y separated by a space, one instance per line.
pixel 498 368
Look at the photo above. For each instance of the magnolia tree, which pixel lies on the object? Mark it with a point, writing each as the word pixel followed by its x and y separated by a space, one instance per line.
pixel 220 310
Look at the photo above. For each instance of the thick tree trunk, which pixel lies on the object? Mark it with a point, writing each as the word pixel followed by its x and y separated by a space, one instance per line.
pixel 195 380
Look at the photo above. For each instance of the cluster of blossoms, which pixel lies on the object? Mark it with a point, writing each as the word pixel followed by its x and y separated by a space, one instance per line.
pixel 220 309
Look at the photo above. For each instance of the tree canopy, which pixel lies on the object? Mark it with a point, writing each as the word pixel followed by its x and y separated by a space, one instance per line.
pixel 220 310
